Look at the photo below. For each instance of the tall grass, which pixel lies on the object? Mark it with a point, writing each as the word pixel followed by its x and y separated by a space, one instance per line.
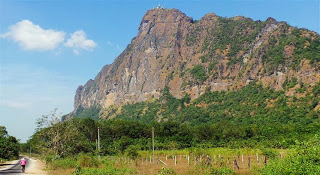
pixel 227 152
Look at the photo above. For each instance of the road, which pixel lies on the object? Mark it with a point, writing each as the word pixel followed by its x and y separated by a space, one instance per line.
pixel 16 169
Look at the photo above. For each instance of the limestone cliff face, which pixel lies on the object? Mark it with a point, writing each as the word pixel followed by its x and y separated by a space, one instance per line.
pixel 190 56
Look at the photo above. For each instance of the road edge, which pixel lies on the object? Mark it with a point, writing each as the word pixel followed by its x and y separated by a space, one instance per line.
pixel 14 162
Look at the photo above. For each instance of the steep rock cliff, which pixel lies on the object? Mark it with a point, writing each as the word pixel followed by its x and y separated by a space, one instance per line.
pixel 190 56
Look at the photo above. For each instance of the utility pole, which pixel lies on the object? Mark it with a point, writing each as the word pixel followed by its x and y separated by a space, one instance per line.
pixel 30 151
pixel 153 144
pixel 98 142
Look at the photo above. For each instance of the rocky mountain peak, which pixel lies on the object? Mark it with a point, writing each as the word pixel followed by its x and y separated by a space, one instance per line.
pixel 161 15
pixel 209 17
pixel 213 53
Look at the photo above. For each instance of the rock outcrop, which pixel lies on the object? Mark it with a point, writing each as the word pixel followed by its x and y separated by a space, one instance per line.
pixel 171 49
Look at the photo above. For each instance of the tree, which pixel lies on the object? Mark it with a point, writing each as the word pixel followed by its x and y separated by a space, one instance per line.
pixel 64 138
pixel 9 145
pixel 132 152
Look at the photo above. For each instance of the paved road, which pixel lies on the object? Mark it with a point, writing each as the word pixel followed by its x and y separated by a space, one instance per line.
pixel 16 169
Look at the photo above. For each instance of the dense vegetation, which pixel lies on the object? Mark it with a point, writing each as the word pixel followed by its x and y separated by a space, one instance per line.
pixel 304 47
pixel 9 145
pixel 233 38
pixel 303 159
pixel 253 117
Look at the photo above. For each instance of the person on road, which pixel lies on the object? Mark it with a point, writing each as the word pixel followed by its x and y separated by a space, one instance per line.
pixel 23 162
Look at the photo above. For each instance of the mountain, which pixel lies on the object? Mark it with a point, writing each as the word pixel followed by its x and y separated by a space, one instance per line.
pixel 192 57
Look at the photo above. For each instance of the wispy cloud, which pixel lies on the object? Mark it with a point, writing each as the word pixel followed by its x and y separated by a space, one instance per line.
pixel 25 86
pixel 14 104
pixel 33 37
pixel 29 91
pixel 117 46
pixel 78 41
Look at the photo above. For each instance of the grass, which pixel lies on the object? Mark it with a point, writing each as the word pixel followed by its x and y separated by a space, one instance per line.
pixel 221 162
pixel 2 160
pixel 209 151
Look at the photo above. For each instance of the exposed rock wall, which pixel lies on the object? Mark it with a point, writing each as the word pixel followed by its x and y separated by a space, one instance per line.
pixel 169 44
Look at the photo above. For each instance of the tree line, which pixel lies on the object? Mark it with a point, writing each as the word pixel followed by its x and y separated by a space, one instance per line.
pixel 9 145
pixel 253 117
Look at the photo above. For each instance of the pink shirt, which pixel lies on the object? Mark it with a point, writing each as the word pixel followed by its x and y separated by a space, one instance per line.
pixel 23 162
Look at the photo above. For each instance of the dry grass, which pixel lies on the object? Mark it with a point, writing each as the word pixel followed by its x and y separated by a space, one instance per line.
pixel 196 166
pixel 60 172
pixel 145 167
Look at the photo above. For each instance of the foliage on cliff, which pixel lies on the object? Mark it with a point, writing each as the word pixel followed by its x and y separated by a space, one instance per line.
pixel 251 104
pixel 171 49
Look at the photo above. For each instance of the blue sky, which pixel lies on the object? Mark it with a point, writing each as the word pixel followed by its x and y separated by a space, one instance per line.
pixel 49 47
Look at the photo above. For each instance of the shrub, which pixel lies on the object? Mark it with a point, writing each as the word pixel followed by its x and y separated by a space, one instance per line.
pixel 199 73
pixel 106 171
pixel 132 152
pixel 269 153
pixel 87 160
pixel 58 163
pixel 222 171
pixel 165 171
pixel 305 159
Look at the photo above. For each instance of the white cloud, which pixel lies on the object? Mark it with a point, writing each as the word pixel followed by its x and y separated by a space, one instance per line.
pixel 79 41
pixel 33 37
pixel 14 104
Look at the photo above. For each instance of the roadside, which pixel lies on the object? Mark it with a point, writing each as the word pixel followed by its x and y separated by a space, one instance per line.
pixel 8 164
pixel 34 166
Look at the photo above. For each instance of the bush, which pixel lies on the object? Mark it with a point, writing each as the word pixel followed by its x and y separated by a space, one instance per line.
pixel 305 159
pixel 269 153
pixel 87 160
pixel 132 152
pixel 165 171
pixel 2 160
pixel 59 163
pixel 105 171
pixel 222 171
pixel 199 73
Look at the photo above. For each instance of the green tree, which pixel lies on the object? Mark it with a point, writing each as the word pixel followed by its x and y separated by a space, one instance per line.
pixel 9 145
pixel 304 159
pixel 132 152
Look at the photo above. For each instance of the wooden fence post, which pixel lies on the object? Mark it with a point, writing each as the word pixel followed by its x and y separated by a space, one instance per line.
pixel 208 162
pixel 235 164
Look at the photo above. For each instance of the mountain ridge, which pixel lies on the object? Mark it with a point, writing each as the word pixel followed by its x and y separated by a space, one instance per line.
pixel 190 56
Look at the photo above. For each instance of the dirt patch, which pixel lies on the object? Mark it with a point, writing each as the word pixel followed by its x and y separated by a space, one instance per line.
pixel 61 171
pixel 36 167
